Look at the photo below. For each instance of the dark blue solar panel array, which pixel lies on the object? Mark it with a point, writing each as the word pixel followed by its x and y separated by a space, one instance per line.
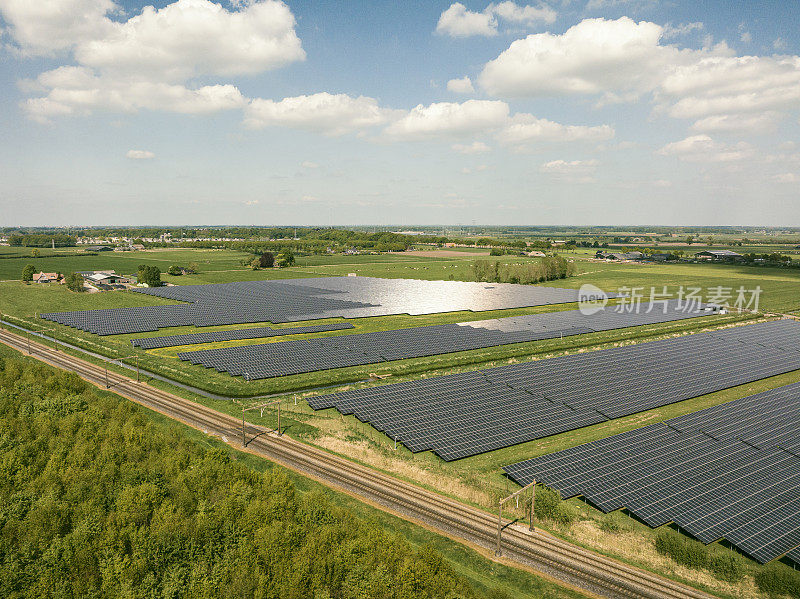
pixel 731 471
pixel 465 414
pixel 295 357
pixel 235 334
pixel 292 300
pixel 212 305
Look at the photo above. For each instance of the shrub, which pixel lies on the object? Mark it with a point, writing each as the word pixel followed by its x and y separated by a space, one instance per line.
pixel 726 565
pixel 548 506
pixel 777 579
pixel 683 550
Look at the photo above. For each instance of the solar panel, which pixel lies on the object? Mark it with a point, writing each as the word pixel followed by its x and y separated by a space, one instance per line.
pixel 234 334
pixel 291 300
pixel 465 414
pixel 726 472
pixel 272 360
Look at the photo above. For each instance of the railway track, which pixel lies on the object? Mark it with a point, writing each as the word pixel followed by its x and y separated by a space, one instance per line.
pixel 538 550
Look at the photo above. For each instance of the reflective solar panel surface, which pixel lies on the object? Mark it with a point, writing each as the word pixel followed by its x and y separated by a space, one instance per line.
pixel 291 300
pixel 466 414
pixel 280 359
pixel 728 472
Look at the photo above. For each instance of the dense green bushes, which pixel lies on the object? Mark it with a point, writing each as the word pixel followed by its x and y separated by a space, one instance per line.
pixel 723 563
pixel 97 501
pixel 779 580
pixel 683 550
pixel 548 506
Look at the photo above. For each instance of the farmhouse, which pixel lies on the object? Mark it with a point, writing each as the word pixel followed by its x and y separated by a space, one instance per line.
pixel 726 255
pixel 601 255
pixel 45 277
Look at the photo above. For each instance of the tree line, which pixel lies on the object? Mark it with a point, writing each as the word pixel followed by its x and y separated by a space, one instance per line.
pixel 41 240
pixel 99 501
pixel 549 268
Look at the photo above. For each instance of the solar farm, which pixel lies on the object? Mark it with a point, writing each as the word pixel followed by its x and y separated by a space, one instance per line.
pixel 295 357
pixel 466 414
pixel 729 472
pixel 291 300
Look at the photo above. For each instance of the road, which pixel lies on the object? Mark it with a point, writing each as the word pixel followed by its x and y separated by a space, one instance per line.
pixel 536 550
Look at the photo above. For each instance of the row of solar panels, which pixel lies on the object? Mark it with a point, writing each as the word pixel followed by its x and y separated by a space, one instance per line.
pixel 296 357
pixel 292 300
pixel 235 334
pixel 728 472
pixel 466 414
pixel 212 305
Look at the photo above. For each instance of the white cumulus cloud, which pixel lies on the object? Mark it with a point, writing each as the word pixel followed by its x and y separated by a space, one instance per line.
pixel 450 119
pixel 331 114
pixel 78 91
pixel 571 171
pixel 151 60
pixel 702 148
pixel 459 21
pixel 766 122
pixel 621 60
pixel 196 37
pixel 460 86
pixel 41 28
pixel 140 155
pixel 526 127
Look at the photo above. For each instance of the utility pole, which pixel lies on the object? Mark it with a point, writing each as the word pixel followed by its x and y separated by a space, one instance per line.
pixel 261 407
pixel 137 364
pixel 499 548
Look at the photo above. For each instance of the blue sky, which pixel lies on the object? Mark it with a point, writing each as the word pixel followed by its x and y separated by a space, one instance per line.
pixel 259 112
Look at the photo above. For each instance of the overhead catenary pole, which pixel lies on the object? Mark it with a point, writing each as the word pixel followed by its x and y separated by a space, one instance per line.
pixel 261 407
pixel 532 485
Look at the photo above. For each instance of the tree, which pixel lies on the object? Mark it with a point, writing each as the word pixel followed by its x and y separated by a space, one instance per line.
pixel 35 253
pixel 74 282
pixel 28 272
pixel 149 275
pixel 193 268
pixel 266 260
pixel 285 258
pixel 175 271
pixel 255 264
